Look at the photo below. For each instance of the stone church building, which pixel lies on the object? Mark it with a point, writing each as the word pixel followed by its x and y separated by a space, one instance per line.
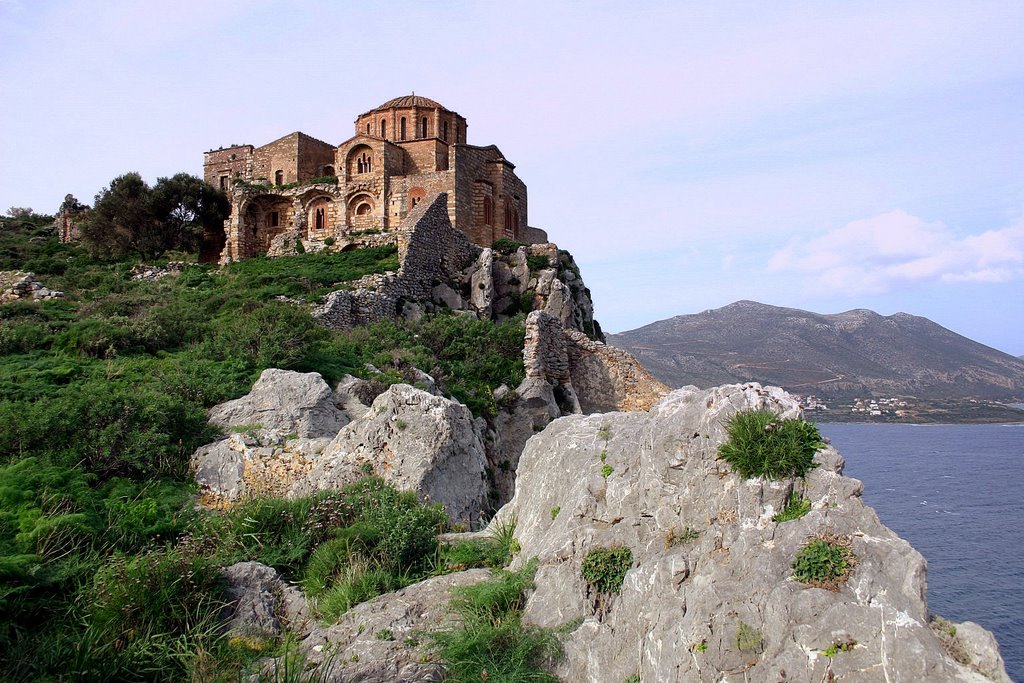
pixel 402 151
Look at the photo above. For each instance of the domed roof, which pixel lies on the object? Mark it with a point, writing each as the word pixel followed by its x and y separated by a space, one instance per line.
pixel 410 101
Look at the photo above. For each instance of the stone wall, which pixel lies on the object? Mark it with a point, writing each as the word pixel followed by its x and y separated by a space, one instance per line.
pixel 16 284
pixel 585 375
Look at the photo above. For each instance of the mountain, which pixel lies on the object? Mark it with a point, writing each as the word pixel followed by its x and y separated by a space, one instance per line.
pixel 843 354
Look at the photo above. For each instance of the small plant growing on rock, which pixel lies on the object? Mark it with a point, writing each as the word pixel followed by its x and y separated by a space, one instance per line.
pixel 605 568
pixel 796 507
pixel 839 646
pixel 763 445
pixel 825 561
pixel 554 512
pixel 748 638
pixel 384 634
pixel 676 537
pixel 606 470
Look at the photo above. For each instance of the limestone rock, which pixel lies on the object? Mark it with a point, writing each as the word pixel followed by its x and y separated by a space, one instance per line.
pixel 292 402
pixel 260 603
pixel 354 395
pixel 481 284
pixel 415 440
pixel 709 595
pixel 379 641
pixel 443 294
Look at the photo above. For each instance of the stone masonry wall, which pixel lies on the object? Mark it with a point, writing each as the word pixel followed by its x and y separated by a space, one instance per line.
pixel 595 377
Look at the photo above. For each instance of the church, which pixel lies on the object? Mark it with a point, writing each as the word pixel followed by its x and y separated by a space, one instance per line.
pixel 402 151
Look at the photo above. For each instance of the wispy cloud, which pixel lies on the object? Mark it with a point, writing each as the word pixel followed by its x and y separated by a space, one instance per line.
pixel 896 249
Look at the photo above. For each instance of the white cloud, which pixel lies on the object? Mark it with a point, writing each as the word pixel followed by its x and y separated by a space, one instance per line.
pixel 895 250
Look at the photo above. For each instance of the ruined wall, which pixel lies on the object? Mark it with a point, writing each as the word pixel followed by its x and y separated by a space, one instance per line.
pixel 585 375
pixel 280 155
pixel 430 250
pixel 315 158
pixel 222 166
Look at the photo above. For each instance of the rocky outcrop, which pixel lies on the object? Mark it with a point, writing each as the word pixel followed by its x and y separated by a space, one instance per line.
pixel 16 284
pixel 566 373
pixel 379 641
pixel 260 603
pixel 709 594
pixel 416 441
pixel 292 402
pixel 582 375
pixel 288 441
pixel 440 269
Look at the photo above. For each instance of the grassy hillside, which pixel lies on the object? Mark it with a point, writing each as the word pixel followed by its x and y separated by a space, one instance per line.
pixel 107 571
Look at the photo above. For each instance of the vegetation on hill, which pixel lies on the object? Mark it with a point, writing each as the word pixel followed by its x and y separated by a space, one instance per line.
pixel 107 571
pixel 130 217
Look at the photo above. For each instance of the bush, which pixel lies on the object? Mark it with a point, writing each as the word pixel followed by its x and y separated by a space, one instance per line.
pixel 825 561
pixel 506 246
pixel 605 568
pixel 796 507
pixel 491 637
pixel 761 444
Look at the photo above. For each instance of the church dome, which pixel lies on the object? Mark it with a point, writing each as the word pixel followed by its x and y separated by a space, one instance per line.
pixel 409 101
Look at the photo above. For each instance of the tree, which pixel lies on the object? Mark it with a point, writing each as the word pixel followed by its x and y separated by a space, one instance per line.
pixel 187 207
pixel 130 217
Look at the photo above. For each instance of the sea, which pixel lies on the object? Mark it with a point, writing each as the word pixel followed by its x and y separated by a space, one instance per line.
pixel 956 493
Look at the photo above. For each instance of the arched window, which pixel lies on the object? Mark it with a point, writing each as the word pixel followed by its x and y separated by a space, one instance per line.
pixel 279 177
pixel 367 129
pixel 508 216
pixel 383 128
pixel 319 221
pixel 488 211
pixel 423 127
pixel 359 165
pixel 327 171
pixel 363 209
pixel 444 131
pixel 401 130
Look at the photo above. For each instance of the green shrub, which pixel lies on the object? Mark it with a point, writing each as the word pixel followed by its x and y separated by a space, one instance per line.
pixel 605 568
pixel 761 444
pixel 506 246
pixel 796 507
pixel 825 561
pixel 491 636
pixel 539 262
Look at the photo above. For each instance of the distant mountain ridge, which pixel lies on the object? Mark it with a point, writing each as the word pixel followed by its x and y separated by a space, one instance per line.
pixel 842 354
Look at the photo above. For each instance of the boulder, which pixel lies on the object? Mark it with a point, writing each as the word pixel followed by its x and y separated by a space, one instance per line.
pixel 709 594
pixel 260 604
pixel 381 641
pixel 291 402
pixel 416 441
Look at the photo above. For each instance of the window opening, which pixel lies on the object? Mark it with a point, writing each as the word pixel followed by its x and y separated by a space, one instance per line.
pixel 444 131
pixel 423 127
pixel 401 132
pixel 383 128
pixel 488 211
pixel 319 220
pixel 279 177
pixel 275 219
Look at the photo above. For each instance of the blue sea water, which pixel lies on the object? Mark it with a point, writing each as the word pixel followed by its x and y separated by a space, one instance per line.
pixel 955 493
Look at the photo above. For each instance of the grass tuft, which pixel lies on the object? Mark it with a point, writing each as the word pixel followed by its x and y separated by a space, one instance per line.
pixel 762 445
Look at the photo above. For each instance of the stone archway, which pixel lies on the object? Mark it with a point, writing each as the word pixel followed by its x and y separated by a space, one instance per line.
pixel 264 217
pixel 360 213
pixel 320 217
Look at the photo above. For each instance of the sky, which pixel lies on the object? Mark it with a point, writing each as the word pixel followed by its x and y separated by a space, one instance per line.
pixel 815 155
